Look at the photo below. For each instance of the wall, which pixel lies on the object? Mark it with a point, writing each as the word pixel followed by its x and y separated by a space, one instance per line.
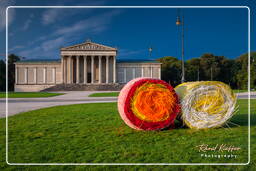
pixel 34 79
pixel 31 88
pixel 129 71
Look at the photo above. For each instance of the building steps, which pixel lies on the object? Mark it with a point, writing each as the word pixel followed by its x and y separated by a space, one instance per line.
pixel 85 87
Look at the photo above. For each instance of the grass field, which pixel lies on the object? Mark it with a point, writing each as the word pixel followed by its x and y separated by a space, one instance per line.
pixel 115 94
pixel 28 94
pixel 240 91
pixel 95 133
pixel 107 94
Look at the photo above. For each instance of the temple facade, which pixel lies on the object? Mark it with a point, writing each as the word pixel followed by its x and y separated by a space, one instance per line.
pixel 87 63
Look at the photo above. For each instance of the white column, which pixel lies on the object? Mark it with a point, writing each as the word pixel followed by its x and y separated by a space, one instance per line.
pixel 151 71
pixel 85 69
pixel 77 70
pixel 142 71
pixel 65 70
pixel 35 75
pixel 16 74
pixel 62 68
pixel 107 69
pixel 68 70
pixel 26 75
pixel 114 69
pixel 133 73
pixel 124 75
pixel 92 69
pixel 54 75
pixel 44 81
pixel 71 69
pixel 100 69
pixel 159 70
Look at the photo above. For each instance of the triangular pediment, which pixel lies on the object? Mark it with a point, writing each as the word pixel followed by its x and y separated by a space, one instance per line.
pixel 89 46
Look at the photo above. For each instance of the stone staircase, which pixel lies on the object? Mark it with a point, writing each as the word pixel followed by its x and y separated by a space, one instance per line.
pixel 85 87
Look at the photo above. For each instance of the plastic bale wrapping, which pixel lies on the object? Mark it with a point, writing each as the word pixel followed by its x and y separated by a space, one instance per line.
pixel 148 104
pixel 205 104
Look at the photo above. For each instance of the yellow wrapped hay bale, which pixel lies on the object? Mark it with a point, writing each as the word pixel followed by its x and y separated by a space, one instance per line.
pixel 205 104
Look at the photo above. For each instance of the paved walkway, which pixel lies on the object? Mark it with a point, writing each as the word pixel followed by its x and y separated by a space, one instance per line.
pixel 245 95
pixel 17 105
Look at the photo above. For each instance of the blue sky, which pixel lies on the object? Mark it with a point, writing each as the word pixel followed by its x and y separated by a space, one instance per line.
pixel 39 33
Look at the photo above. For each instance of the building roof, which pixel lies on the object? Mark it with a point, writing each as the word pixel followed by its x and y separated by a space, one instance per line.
pixel 136 61
pixel 88 46
pixel 58 60
pixel 39 61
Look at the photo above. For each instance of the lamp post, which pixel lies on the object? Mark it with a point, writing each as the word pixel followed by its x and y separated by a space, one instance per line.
pixel 150 49
pixel 180 22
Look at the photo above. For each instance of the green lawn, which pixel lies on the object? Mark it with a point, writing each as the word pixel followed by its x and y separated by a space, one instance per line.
pixel 108 94
pixel 240 91
pixel 94 133
pixel 28 94
pixel 115 94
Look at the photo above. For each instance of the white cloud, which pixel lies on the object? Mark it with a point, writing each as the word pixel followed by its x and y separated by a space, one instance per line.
pixel 47 48
pixel 55 14
pixel 49 45
pixel 11 12
pixel 93 24
pixel 53 44
pixel 50 15
pixel 29 52
pixel 15 48
pixel 28 22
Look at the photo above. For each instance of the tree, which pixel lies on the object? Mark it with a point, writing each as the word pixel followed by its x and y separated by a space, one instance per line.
pixel 233 72
pixel 2 75
pixel 228 72
pixel 171 70
pixel 11 71
pixel 242 74
pixel 211 66
pixel 192 67
pixel 253 70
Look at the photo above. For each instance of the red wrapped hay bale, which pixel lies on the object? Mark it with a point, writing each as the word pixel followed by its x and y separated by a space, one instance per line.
pixel 148 104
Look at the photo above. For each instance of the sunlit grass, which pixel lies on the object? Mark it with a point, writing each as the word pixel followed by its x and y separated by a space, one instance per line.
pixel 107 94
pixel 28 94
pixel 95 133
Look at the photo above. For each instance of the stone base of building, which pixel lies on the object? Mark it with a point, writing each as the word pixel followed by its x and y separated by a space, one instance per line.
pixel 68 87
pixel 85 87
pixel 31 87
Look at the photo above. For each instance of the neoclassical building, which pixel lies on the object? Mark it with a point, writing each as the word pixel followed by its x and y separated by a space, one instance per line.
pixel 87 63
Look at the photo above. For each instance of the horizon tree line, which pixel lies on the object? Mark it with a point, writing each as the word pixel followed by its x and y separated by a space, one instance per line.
pixel 209 67
pixel 233 72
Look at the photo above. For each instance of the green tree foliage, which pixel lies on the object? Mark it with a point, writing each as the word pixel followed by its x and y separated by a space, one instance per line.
pixel 2 75
pixel 192 69
pixel 229 69
pixel 171 72
pixel 242 75
pixel 253 70
pixel 210 67
pixel 11 71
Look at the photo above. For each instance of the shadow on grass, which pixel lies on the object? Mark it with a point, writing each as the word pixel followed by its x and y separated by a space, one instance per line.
pixel 236 121
pixel 242 120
